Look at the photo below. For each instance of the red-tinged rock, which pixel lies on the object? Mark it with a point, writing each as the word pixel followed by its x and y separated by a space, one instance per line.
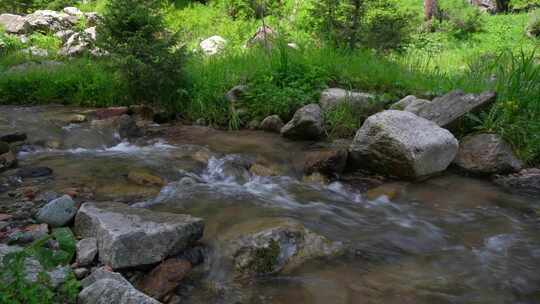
pixel 111 112
pixel 5 217
pixel 164 279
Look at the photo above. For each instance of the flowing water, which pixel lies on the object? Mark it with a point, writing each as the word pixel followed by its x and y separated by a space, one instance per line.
pixel 450 239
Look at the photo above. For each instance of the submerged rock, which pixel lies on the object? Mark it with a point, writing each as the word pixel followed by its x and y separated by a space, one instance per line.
pixel 486 154
pixel 401 144
pixel 334 97
pixel 326 161
pixel 127 127
pixel 103 287
pixel 34 172
pixel 164 279
pixel 143 178
pixel 131 237
pixel 111 112
pixel 8 159
pixel 526 181
pixel 13 137
pixel 449 109
pixel 272 124
pixel 58 212
pixel 267 246
pixel 262 170
pixel 306 124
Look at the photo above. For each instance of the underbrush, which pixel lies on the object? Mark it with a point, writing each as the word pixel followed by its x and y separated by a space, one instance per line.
pixel 81 82
pixel 15 270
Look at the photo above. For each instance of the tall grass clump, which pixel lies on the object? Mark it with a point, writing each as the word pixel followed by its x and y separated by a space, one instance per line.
pixel 83 82
pixel 516 115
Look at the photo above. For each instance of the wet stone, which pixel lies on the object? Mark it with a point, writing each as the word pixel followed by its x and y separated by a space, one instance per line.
pixel 131 237
pixel 34 172
pixel 13 137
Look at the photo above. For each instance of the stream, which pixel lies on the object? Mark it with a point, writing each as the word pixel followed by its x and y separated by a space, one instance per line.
pixel 450 239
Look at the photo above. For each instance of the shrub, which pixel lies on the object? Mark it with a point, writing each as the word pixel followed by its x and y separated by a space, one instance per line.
pixel 461 19
pixel 252 8
pixel 16 289
pixel 27 6
pixel 524 4
pixel 144 53
pixel 386 27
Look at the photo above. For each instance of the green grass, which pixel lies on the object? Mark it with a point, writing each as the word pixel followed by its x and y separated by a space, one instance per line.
pixel 81 82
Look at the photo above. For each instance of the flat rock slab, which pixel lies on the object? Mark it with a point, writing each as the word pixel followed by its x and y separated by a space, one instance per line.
pixel 447 110
pixel 131 237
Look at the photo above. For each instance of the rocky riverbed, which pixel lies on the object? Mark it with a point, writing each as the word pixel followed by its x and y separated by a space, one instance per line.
pixel 177 213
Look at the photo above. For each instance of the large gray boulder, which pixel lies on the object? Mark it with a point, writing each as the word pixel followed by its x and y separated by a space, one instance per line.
pixel 333 97
pixel 486 154
pixel 58 212
pixel 104 287
pixel 131 237
pixel 50 21
pixel 448 110
pixel 401 144
pixel 14 24
pixel 306 124
pixel 273 245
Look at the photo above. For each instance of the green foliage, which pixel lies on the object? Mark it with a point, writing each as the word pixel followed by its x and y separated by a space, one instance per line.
pixel 386 27
pixel 342 121
pixel 378 24
pixel 16 289
pixel 8 43
pixel 80 82
pixel 516 116
pixel 524 4
pixel 28 6
pixel 460 19
pixel 144 53
pixel 252 8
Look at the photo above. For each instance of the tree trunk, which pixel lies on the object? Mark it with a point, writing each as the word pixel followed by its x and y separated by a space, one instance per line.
pixel 357 10
pixel 430 9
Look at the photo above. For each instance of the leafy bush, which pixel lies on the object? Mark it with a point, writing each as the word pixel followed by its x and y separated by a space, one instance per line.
pixel 524 4
pixel 16 289
pixel 533 27
pixel 252 8
pixel 28 6
pixel 8 43
pixel 144 53
pixel 463 19
pixel 386 27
